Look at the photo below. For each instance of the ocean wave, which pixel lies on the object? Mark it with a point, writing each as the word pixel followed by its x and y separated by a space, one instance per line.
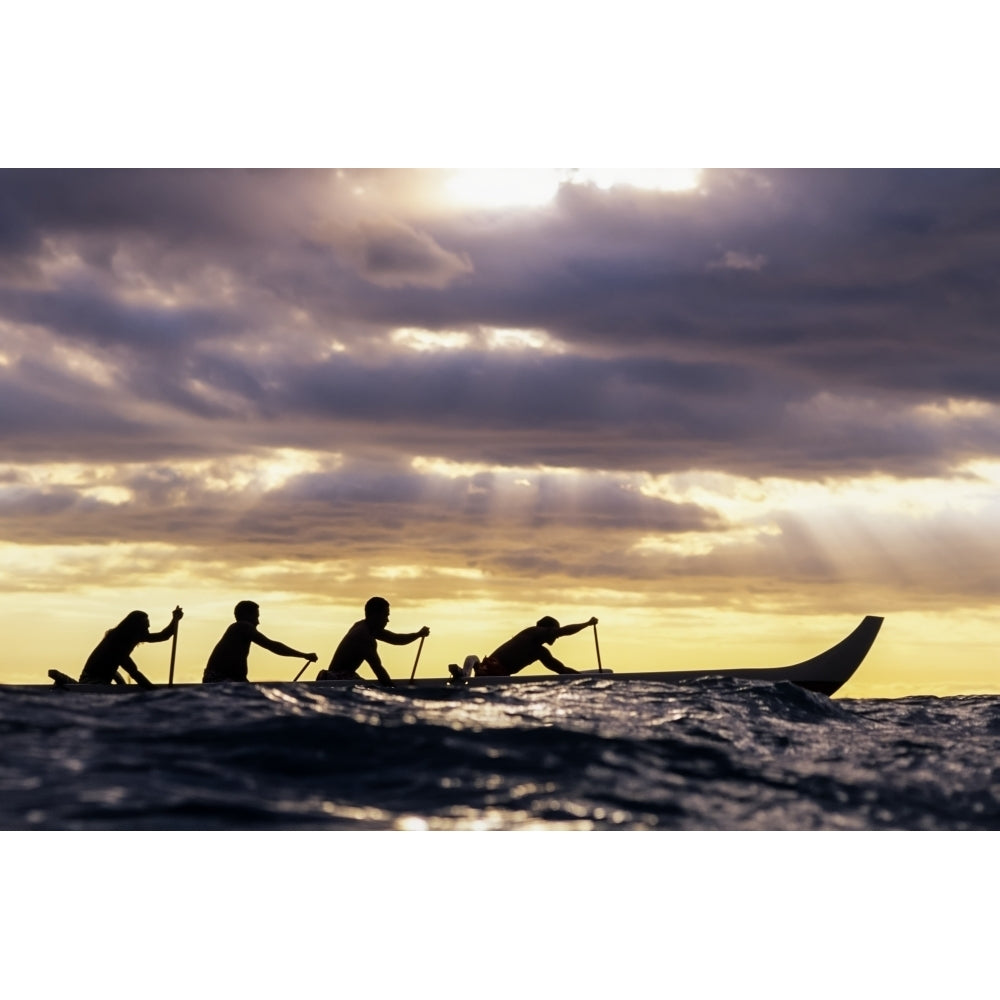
pixel 713 754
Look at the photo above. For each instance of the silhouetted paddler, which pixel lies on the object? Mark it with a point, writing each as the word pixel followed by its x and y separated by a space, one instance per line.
pixel 525 648
pixel 114 651
pixel 228 661
pixel 360 645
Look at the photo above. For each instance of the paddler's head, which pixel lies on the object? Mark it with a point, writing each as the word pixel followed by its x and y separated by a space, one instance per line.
pixel 548 622
pixel 135 623
pixel 247 611
pixel 377 612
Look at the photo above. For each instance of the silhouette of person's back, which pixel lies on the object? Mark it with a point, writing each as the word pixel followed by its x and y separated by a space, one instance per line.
pixel 360 645
pixel 229 660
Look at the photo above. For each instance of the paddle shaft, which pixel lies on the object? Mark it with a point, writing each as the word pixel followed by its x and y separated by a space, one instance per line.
pixel 173 654
pixel 597 646
pixel 416 660
pixel 302 671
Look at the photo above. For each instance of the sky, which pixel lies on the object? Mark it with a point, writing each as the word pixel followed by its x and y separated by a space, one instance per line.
pixel 727 411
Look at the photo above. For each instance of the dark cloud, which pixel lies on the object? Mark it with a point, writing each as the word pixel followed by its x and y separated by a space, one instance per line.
pixel 210 208
pixel 392 255
pixel 47 410
pixel 95 317
pixel 375 501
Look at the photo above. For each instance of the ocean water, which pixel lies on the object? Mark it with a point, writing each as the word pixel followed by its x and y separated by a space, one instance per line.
pixel 590 755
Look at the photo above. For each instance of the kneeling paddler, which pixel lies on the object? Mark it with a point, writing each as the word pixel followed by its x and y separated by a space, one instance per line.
pixel 525 648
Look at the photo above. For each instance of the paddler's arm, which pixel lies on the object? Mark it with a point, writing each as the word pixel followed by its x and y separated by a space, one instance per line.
pixel 553 664
pixel 403 638
pixel 273 646
pixel 170 630
pixel 135 673
pixel 373 660
pixel 573 629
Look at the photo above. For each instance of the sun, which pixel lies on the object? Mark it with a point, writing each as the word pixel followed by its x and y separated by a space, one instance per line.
pixel 532 187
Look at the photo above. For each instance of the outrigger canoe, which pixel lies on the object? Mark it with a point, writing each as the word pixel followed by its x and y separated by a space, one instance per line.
pixel 825 673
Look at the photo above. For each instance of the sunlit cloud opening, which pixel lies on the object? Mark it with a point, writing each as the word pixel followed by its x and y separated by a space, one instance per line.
pixel 110 483
pixel 96 483
pixel 521 340
pixel 397 573
pixel 459 572
pixel 843 411
pixel 30 565
pixel 56 474
pixel 950 409
pixel 286 463
pixel 115 496
pixel 446 468
pixel 526 188
pixel 502 188
pixel 256 473
pixel 332 347
pixel 286 575
pixel 423 341
pixel 522 476
pixel 84 365
pixel 738 500
pixel 492 338
pixel 646 178
pixel 700 543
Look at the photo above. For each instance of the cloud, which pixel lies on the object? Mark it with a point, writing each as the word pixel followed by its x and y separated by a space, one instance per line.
pixel 392 255
pixel 735 260
pixel 177 330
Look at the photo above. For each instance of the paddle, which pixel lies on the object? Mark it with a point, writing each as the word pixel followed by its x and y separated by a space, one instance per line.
pixel 597 646
pixel 417 660
pixel 173 653
pixel 302 671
